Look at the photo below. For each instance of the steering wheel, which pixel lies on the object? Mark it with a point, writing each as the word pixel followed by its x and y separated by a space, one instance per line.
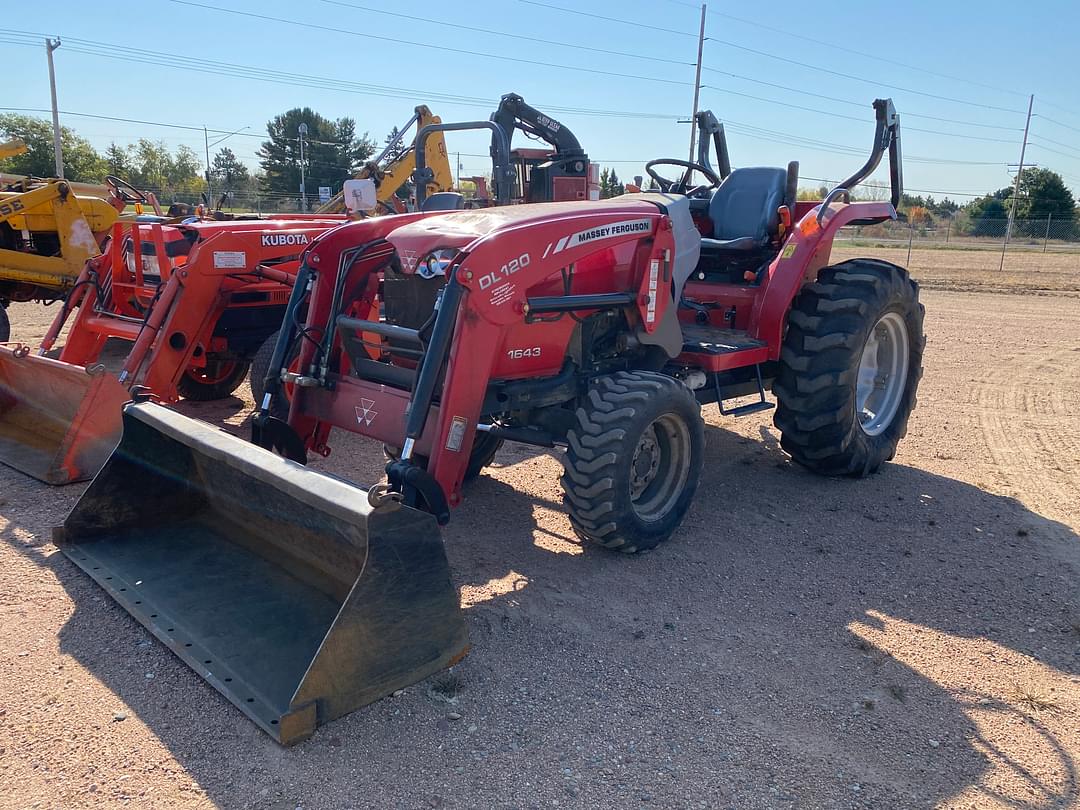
pixel 682 186
pixel 124 190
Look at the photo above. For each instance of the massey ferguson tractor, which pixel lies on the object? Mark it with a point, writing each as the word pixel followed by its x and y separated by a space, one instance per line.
pixel 600 327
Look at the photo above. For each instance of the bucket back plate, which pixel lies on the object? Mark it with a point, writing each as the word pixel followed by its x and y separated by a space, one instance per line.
pixel 279 585
pixel 58 423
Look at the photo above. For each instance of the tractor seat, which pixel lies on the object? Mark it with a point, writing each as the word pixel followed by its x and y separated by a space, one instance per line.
pixel 744 209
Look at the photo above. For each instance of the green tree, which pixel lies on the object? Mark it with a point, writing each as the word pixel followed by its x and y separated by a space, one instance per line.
pixel 227 171
pixel 988 215
pixel 332 151
pixel 610 185
pixel 1043 193
pixel 118 161
pixel 82 163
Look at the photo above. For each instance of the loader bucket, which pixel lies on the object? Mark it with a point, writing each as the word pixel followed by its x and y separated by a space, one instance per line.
pixel 58 422
pixel 279 585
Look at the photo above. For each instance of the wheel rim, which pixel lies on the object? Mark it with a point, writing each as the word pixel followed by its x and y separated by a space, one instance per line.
pixel 883 372
pixel 660 467
pixel 213 372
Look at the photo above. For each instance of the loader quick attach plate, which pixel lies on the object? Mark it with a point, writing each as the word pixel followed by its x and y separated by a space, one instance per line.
pixel 279 585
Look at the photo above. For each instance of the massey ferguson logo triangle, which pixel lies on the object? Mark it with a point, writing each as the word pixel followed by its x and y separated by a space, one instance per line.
pixel 364 412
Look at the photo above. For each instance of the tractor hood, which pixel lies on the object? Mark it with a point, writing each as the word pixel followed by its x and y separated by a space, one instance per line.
pixel 440 237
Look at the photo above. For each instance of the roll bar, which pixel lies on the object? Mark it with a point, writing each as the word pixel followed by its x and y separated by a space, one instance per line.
pixel 502 174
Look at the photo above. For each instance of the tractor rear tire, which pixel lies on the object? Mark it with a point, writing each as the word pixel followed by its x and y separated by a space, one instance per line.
pixel 850 367
pixel 5 325
pixel 218 380
pixel 633 460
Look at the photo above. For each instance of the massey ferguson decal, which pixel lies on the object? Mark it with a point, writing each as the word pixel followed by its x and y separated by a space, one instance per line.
pixel 365 413
pixel 281 239
pixel 628 226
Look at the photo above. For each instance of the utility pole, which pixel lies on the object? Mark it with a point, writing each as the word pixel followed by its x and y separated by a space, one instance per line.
pixel 1016 189
pixel 303 130
pixel 697 86
pixel 50 46
pixel 209 190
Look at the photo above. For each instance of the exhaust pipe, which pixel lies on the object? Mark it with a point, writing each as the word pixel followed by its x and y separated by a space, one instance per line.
pixel 281 586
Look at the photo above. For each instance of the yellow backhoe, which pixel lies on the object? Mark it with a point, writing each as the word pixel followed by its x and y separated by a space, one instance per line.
pixel 48 230
pixel 395 164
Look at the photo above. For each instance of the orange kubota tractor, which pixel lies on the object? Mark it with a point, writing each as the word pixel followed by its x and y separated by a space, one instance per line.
pixel 194 300
pixel 600 327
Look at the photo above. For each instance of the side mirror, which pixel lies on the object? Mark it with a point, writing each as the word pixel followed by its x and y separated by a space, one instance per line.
pixel 360 195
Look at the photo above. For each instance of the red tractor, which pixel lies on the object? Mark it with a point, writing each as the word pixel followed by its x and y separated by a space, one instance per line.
pixel 598 326
pixel 605 327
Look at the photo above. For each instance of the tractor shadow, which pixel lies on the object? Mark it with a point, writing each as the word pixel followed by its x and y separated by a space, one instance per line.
pixel 798 636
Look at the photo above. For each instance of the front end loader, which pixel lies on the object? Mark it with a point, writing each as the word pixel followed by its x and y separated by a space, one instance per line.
pixel 600 328
pixel 191 303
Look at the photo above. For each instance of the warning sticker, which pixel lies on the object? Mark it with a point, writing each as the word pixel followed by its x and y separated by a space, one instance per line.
pixel 456 436
pixel 501 294
pixel 230 259
pixel 788 251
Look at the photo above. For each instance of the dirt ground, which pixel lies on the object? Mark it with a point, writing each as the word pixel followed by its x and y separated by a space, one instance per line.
pixel 908 640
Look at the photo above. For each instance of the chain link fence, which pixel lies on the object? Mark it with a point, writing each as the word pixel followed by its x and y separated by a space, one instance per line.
pixel 1038 235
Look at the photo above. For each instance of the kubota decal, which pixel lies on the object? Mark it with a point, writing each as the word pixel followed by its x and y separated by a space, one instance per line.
pixel 276 239
pixel 601 232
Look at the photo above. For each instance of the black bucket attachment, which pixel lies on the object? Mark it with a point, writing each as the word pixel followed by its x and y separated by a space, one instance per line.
pixel 279 585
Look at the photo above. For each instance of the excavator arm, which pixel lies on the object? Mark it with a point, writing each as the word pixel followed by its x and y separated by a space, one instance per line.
pixel 394 174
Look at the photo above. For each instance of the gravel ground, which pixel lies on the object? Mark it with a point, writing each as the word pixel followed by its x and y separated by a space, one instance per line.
pixel 908 640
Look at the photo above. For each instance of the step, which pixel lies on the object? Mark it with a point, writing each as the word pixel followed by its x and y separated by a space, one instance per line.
pixel 699 339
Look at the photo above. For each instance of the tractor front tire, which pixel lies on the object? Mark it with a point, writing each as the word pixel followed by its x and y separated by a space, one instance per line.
pixel 217 380
pixel 850 367
pixel 5 325
pixel 633 460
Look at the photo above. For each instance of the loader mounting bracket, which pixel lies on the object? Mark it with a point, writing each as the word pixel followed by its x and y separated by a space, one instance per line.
pixel 275 435
pixel 419 488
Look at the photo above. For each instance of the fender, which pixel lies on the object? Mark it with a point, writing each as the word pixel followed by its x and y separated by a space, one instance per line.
pixel 805 253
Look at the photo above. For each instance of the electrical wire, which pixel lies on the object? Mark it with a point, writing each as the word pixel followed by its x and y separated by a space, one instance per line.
pixel 442 48
pixel 447 24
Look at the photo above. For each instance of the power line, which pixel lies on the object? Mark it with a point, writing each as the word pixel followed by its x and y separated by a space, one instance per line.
pixel 864 54
pixel 1057 143
pixel 232 70
pixel 1058 123
pixel 442 48
pixel 816 68
pixel 853 77
pixel 860 104
pixel 1054 151
pixel 609 19
pixel 852 117
pixel 447 24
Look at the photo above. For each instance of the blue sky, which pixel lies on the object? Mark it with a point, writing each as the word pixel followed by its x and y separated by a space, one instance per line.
pixel 949 66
